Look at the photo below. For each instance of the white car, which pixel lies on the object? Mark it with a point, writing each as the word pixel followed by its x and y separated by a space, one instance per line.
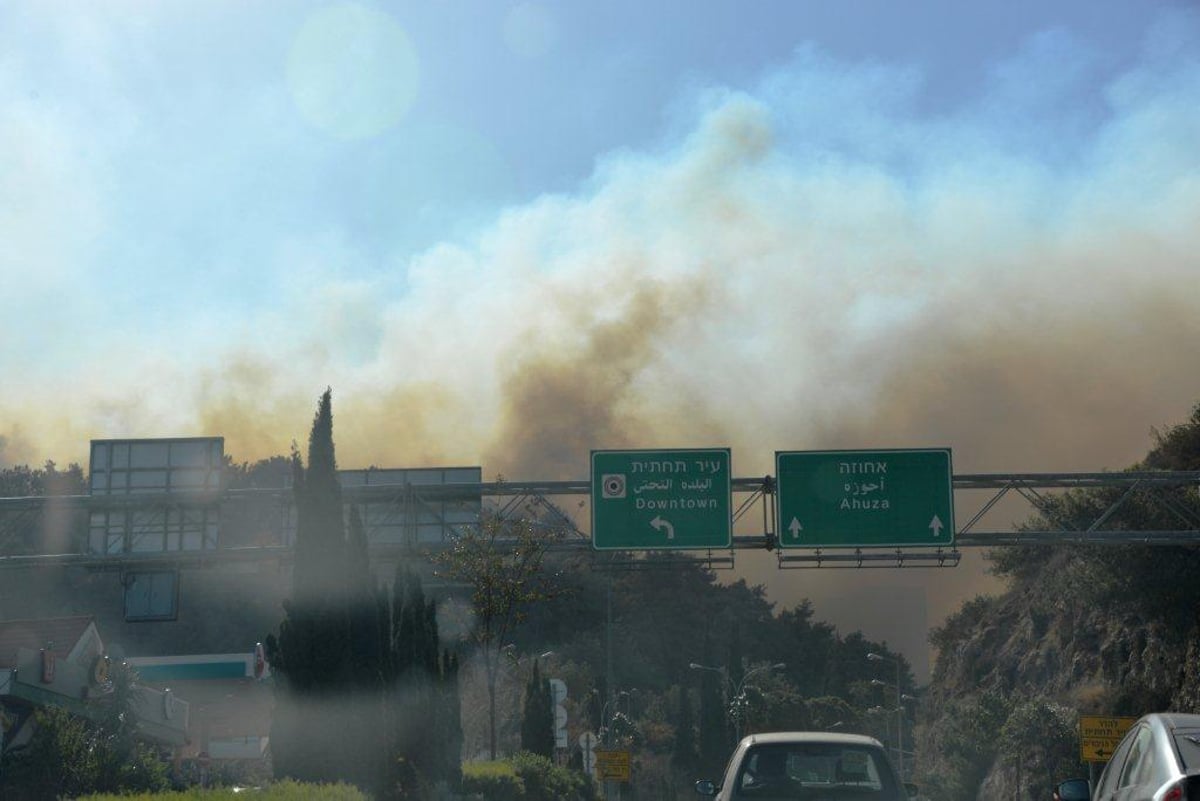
pixel 814 766
pixel 1157 760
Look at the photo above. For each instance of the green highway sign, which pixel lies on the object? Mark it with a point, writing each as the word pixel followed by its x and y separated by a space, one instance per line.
pixel 861 499
pixel 654 499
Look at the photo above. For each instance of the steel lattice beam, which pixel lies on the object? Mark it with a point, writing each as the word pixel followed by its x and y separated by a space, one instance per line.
pixel 1171 494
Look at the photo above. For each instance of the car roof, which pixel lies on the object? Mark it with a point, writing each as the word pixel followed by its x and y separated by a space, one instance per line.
pixel 835 738
pixel 1174 721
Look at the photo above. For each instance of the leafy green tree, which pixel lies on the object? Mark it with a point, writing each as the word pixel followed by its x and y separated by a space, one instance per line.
pixel 537 722
pixel 503 562
pixel 811 651
pixel 50 528
pixel 71 756
pixel 965 736
pixel 1039 741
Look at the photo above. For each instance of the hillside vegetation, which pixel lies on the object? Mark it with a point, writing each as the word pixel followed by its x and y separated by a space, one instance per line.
pixel 1082 629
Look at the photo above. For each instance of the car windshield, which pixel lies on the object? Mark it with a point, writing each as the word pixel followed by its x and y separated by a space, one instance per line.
pixel 816 771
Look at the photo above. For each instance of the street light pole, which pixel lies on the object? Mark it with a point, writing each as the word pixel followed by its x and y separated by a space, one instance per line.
pixel 874 657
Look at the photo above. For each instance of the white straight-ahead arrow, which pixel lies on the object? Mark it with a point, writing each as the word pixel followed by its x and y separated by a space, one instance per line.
pixel 936 524
pixel 795 528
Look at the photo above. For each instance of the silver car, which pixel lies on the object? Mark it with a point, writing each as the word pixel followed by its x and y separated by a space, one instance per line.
pixel 814 766
pixel 1158 760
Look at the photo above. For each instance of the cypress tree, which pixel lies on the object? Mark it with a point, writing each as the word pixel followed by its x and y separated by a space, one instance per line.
pixel 714 748
pixel 683 752
pixel 537 722
pixel 309 658
pixel 449 722
pixel 424 723
pixel 358 673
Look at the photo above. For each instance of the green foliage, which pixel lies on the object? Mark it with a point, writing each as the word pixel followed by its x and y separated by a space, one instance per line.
pixel 355 666
pixel 62 532
pixel 1153 582
pixel 494 781
pixel 286 790
pixel 545 781
pixel 1108 629
pixel 959 625
pixel 965 737
pixel 812 650
pixel 1039 738
pixel 70 755
pixel 502 561
pixel 20 481
pixel 525 777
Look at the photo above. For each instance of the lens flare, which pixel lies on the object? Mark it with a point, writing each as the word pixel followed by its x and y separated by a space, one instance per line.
pixel 352 71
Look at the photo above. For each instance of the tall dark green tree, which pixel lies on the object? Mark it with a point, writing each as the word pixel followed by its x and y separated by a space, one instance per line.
pixel 322 729
pixel 448 722
pixel 683 751
pixel 537 722
pixel 714 742
pixel 355 665
pixel 424 721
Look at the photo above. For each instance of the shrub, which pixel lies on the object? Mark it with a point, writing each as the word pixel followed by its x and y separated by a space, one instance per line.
pixel 495 781
pixel 545 781
pixel 280 791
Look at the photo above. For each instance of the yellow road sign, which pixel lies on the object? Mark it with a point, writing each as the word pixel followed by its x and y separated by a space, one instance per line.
pixel 612 766
pixel 1099 736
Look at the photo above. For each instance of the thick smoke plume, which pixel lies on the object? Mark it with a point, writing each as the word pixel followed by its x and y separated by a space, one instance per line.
pixel 818 263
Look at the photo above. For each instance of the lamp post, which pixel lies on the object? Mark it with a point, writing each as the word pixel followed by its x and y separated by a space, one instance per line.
pixel 886 716
pixel 735 697
pixel 874 657
pixel 608 712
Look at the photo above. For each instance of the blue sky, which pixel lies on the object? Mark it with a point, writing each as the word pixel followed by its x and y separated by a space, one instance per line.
pixel 506 233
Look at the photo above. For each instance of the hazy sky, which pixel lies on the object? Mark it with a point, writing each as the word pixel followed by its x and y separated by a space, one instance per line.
pixel 507 233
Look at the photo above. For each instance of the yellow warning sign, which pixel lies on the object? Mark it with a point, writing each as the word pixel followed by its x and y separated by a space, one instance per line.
pixel 612 766
pixel 1099 736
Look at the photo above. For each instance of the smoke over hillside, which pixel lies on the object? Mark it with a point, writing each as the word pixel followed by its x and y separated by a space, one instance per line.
pixel 817 262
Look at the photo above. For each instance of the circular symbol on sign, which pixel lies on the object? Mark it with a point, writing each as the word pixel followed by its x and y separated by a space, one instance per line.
pixel 612 485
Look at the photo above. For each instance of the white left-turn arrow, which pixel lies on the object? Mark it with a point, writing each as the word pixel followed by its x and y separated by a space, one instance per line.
pixel 659 524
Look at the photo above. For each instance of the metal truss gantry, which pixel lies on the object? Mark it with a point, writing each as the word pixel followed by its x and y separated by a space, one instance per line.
pixel 993 507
